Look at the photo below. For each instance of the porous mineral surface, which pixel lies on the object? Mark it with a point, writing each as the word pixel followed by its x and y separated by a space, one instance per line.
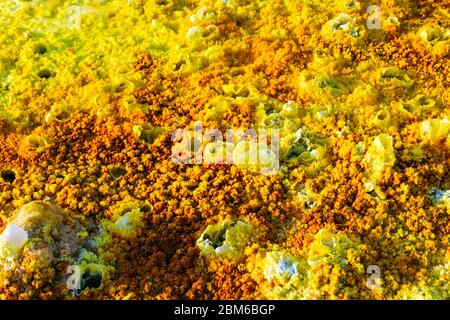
pixel 93 205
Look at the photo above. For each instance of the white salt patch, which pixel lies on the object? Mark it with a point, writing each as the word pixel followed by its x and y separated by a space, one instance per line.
pixel 14 237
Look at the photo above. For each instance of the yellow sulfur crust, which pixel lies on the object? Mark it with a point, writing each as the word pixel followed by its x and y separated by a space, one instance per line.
pixel 90 94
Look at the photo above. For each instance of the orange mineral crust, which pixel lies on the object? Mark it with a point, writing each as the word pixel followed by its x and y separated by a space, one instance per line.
pixel 110 186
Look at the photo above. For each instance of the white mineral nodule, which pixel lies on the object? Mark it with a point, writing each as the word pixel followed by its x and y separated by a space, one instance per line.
pixel 14 238
pixel 123 223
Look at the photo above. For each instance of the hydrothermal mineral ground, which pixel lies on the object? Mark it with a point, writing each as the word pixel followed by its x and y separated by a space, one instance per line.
pixel 354 204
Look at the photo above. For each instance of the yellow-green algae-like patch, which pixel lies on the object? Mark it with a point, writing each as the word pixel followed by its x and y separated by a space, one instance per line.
pixel 227 238
pixel 92 90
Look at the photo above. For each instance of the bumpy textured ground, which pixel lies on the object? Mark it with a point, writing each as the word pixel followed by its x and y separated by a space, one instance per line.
pixel 88 183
